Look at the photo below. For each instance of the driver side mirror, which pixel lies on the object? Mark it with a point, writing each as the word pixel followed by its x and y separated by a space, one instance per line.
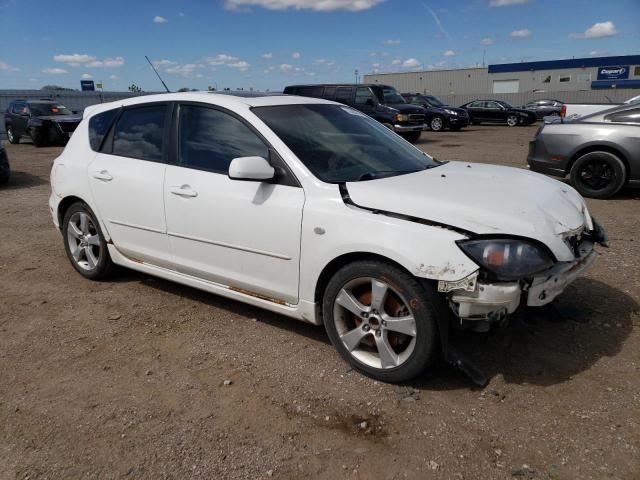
pixel 255 169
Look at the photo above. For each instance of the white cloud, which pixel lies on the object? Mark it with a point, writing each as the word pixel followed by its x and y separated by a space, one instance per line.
pixel 295 55
pixel 74 59
pixel 286 68
pixel 54 71
pixel 316 5
pixel 597 30
pixel 86 76
pixel 392 42
pixel 221 59
pixel 7 68
pixel 506 3
pixel 376 65
pixel 267 56
pixel 524 33
pixel 487 41
pixel 320 61
pixel 186 70
pixel 397 61
pixel 449 53
pixel 410 63
pixel 241 65
pixel 107 63
pixel 159 19
pixel 163 63
pixel 113 77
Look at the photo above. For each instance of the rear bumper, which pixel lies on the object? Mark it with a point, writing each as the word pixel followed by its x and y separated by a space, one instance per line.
pixel 539 160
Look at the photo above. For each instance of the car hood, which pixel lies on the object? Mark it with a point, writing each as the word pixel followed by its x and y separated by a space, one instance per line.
pixel 76 117
pixel 406 108
pixel 482 199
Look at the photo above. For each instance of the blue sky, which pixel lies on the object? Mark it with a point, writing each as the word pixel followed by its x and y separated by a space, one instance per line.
pixel 267 44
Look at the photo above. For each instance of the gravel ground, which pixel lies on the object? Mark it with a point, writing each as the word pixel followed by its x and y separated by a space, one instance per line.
pixel 141 378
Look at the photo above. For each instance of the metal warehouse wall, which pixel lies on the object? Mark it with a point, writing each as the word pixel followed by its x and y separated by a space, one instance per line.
pixel 438 82
pixel 76 101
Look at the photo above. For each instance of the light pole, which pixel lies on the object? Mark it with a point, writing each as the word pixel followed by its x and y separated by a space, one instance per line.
pixel 356 73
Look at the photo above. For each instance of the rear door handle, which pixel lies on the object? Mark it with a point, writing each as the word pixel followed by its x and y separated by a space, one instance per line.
pixel 183 191
pixel 102 175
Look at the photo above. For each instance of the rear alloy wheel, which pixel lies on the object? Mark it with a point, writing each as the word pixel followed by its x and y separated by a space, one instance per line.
pixel 598 175
pixel 512 120
pixel 436 124
pixel 84 242
pixel 13 138
pixel 381 320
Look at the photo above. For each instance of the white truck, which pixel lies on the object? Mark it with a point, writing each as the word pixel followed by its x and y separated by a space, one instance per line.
pixel 571 111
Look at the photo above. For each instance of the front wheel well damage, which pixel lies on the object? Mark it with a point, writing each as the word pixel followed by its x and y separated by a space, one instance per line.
pixel 598 148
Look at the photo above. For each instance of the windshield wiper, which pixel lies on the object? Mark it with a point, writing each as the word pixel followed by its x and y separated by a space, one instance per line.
pixel 386 173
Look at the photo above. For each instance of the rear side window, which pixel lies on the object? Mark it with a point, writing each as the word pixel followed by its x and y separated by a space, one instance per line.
pixel 627 116
pixel 98 127
pixel 329 93
pixel 209 139
pixel 139 133
pixel 343 95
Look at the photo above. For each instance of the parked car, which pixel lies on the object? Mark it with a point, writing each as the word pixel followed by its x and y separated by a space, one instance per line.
pixel 571 111
pixel 381 102
pixel 439 115
pixel 599 152
pixel 5 169
pixel 45 121
pixel 544 108
pixel 497 111
pixel 311 209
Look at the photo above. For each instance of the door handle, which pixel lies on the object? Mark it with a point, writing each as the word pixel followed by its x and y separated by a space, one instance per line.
pixel 183 191
pixel 102 175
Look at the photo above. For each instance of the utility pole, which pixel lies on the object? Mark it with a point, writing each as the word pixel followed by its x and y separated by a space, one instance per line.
pixel 356 73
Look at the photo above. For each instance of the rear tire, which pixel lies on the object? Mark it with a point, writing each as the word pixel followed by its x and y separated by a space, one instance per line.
pixel 382 320
pixel 84 242
pixel 12 137
pixel 598 174
pixel 512 120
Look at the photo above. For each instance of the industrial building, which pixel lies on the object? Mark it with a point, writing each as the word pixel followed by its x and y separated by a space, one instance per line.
pixel 572 75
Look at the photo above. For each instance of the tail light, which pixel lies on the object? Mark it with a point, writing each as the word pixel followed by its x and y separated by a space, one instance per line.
pixel 563 111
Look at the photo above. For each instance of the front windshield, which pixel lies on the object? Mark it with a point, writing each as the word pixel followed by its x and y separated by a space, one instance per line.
pixel 505 104
pixel 339 144
pixel 41 109
pixel 388 95
pixel 435 101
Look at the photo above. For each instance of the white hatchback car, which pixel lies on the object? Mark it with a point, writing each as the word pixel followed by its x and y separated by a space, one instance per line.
pixel 313 210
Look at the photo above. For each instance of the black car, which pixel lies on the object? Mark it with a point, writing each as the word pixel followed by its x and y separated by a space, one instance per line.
pixel 5 171
pixel 381 102
pixel 439 114
pixel 544 108
pixel 497 111
pixel 45 121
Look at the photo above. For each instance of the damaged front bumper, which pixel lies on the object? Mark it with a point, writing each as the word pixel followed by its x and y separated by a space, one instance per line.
pixel 493 301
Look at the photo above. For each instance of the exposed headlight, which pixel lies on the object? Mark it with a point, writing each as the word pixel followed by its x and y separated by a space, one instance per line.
pixel 451 112
pixel 507 258
pixel 402 117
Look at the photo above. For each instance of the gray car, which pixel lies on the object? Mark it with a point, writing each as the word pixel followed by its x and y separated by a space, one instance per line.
pixel 599 152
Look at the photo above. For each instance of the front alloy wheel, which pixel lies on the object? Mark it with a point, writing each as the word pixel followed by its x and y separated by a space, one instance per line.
pixel 13 138
pixel 436 124
pixel 381 320
pixel 84 242
pixel 512 120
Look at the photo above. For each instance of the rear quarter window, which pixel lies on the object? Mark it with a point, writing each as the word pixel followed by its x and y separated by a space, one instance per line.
pixel 98 127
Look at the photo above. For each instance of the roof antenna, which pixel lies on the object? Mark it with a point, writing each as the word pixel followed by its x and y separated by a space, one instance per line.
pixel 159 77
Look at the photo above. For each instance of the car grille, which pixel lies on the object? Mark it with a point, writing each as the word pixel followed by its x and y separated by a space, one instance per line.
pixel 416 118
pixel 68 127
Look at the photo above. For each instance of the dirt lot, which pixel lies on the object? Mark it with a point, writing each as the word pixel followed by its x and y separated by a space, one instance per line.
pixel 125 378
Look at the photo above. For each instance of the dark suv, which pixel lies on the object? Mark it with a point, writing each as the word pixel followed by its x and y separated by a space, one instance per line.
pixel 439 114
pixel 381 102
pixel 45 121
pixel 5 171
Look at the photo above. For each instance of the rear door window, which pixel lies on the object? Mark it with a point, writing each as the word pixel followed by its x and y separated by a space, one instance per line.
pixel 343 95
pixel 139 133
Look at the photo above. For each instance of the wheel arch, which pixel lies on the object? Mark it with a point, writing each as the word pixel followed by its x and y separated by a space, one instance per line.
pixel 599 147
pixel 340 261
pixel 64 205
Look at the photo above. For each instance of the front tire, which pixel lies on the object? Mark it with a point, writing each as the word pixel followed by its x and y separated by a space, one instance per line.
pixel 12 137
pixel 437 124
pixel 598 175
pixel 382 321
pixel 84 242
pixel 412 137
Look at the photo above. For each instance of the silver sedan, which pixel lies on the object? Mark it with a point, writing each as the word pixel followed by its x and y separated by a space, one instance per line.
pixel 600 153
